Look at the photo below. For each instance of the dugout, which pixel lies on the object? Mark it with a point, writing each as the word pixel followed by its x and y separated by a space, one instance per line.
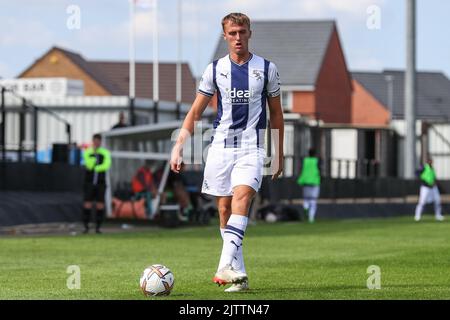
pixel 131 147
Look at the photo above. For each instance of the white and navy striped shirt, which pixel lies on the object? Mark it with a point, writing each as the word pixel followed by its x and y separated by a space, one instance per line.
pixel 242 91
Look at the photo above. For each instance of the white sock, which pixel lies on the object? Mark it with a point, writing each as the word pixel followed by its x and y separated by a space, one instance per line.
pixel 418 213
pixel 437 209
pixel 232 239
pixel 312 210
pixel 238 261
pixel 306 204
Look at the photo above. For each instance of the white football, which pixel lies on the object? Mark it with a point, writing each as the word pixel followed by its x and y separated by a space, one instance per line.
pixel 271 217
pixel 157 280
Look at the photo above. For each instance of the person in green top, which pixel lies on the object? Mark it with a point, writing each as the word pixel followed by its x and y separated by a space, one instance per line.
pixel 429 191
pixel 309 179
pixel 97 161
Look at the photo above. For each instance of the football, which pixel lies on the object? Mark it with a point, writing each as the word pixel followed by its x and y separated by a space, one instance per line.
pixel 157 280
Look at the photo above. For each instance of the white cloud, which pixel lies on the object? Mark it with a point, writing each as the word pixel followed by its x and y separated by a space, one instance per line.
pixel 364 59
pixel 28 33
pixel 118 35
pixel 366 63
pixel 350 8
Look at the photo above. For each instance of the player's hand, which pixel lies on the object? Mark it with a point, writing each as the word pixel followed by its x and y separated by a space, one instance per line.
pixel 278 168
pixel 277 174
pixel 176 158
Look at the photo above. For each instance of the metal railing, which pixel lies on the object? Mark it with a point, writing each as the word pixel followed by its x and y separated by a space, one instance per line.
pixel 26 107
pixel 351 169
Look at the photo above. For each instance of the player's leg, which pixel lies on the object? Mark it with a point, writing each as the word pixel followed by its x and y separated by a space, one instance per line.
pixel 312 210
pixel 87 206
pixel 238 262
pixel 224 207
pixel 100 207
pixel 307 203
pixel 246 177
pixel 422 201
pixel 235 231
pixel 313 203
pixel 437 204
pixel 216 182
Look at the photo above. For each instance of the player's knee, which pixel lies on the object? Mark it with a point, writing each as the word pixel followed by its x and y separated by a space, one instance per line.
pixel 243 197
pixel 224 210
pixel 87 205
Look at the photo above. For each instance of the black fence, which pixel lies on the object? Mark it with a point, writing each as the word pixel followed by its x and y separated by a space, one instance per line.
pixel 288 189
pixel 39 177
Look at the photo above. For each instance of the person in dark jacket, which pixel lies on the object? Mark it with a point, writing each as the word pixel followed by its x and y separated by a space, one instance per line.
pixel 121 123
pixel 429 191
pixel 97 162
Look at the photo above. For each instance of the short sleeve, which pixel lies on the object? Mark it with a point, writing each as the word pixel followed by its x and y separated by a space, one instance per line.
pixel 273 83
pixel 206 86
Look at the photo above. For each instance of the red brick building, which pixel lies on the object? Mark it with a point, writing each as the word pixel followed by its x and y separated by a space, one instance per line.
pixel 315 80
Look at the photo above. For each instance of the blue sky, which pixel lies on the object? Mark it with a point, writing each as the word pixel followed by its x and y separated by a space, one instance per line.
pixel 29 28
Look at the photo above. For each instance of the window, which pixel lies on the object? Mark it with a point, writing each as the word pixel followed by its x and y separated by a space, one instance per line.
pixel 286 100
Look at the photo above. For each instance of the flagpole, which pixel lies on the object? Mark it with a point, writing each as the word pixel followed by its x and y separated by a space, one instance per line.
pixel 155 60
pixel 131 48
pixel 179 74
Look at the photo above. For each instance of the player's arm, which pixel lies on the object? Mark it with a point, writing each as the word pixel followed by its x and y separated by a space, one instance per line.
pixel 276 119
pixel 106 164
pixel 277 122
pixel 195 114
pixel 89 159
pixel 420 170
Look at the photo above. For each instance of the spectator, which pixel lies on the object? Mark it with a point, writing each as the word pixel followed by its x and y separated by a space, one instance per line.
pixel 143 185
pixel 121 123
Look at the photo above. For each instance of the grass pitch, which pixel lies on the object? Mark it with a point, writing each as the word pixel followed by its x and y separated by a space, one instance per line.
pixel 326 260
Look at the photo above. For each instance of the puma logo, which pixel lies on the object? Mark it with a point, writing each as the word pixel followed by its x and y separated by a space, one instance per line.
pixel 237 247
pixel 224 74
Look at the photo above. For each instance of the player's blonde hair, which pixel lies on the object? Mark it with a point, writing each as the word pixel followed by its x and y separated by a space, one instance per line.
pixel 238 18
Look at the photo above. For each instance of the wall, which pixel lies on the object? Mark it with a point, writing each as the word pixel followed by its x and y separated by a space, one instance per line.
pixel 334 86
pixel 439 148
pixel 366 110
pixel 344 146
pixel 304 102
